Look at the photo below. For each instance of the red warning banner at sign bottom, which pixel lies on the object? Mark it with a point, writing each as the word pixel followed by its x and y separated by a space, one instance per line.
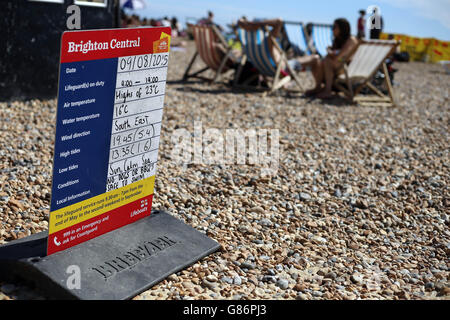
pixel 101 224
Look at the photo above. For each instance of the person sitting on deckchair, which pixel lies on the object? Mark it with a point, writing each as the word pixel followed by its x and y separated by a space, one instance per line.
pixel 274 33
pixel 275 45
pixel 324 70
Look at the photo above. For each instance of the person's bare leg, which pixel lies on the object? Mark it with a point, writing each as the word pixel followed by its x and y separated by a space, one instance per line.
pixel 317 72
pixel 308 60
pixel 328 72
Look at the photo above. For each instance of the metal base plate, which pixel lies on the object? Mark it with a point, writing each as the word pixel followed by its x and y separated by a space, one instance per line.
pixel 117 265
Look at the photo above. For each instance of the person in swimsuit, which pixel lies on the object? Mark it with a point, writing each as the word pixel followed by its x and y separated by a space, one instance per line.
pixel 276 26
pixel 325 70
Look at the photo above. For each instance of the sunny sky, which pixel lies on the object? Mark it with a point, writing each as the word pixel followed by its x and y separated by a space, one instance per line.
pixel 422 18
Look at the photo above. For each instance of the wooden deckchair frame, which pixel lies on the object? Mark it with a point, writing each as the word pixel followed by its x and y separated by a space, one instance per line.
pixel 277 83
pixel 346 84
pixel 220 71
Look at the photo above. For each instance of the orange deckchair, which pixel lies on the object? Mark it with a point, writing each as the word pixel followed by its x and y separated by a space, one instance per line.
pixel 213 50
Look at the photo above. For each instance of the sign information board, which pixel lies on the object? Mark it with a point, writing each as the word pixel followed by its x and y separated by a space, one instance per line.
pixel 110 107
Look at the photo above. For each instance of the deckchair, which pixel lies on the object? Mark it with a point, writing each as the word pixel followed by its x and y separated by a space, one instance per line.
pixel 369 57
pixel 317 42
pixel 296 36
pixel 213 50
pixel 322 38
pixel 255 48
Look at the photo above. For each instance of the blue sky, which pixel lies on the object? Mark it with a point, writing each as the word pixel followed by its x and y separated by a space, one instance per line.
pixel 422 18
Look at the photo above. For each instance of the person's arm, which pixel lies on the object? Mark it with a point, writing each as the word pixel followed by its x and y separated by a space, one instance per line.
pixel 247 25
pixel 276 25
pixel 347 50
pixel 331 52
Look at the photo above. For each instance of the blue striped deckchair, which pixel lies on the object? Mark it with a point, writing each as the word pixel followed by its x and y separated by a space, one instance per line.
pixel 322 36
pixel 255 48
pixel 296 35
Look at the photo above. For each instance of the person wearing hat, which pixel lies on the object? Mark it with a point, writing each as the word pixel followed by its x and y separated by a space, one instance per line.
pixel 361 25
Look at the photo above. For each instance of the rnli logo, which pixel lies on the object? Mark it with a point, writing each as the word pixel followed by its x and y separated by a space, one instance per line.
pixel 143 208
pixel 161 45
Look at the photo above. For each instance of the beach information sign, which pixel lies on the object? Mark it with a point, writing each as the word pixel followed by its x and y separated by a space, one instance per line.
pixel 110 107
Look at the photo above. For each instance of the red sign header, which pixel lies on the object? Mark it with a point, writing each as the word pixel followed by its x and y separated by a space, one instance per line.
pixel 98 44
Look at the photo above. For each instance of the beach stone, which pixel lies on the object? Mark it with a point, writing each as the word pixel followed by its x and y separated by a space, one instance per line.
pixel 237 280
pixel 267 278
pixel 208 284
pixel 259 292
pixel 304 196
pixel 317 294
pixel 265 223
pixel 356 278
pixel 302 296
pixel 227 280
pixel 248 265
pixel 211 278
pixel 331 275
pixel 283 284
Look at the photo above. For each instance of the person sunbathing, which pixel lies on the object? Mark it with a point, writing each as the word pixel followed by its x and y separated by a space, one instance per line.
pixel 325 69
pixel 276 26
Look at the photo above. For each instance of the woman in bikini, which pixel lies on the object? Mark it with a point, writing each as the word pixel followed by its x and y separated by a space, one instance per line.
pixel 325 70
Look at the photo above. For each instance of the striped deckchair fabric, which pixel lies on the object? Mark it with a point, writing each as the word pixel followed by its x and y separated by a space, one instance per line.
pixel 207 39
pixel 322 35
pixel 296 35
pixel 204 39
pixel 369 57
pixel 256 46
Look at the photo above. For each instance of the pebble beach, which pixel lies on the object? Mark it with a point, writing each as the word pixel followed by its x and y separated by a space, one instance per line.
pixel 358 207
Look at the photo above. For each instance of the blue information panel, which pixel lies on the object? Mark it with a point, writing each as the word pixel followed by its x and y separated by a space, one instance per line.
pixel 110 107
